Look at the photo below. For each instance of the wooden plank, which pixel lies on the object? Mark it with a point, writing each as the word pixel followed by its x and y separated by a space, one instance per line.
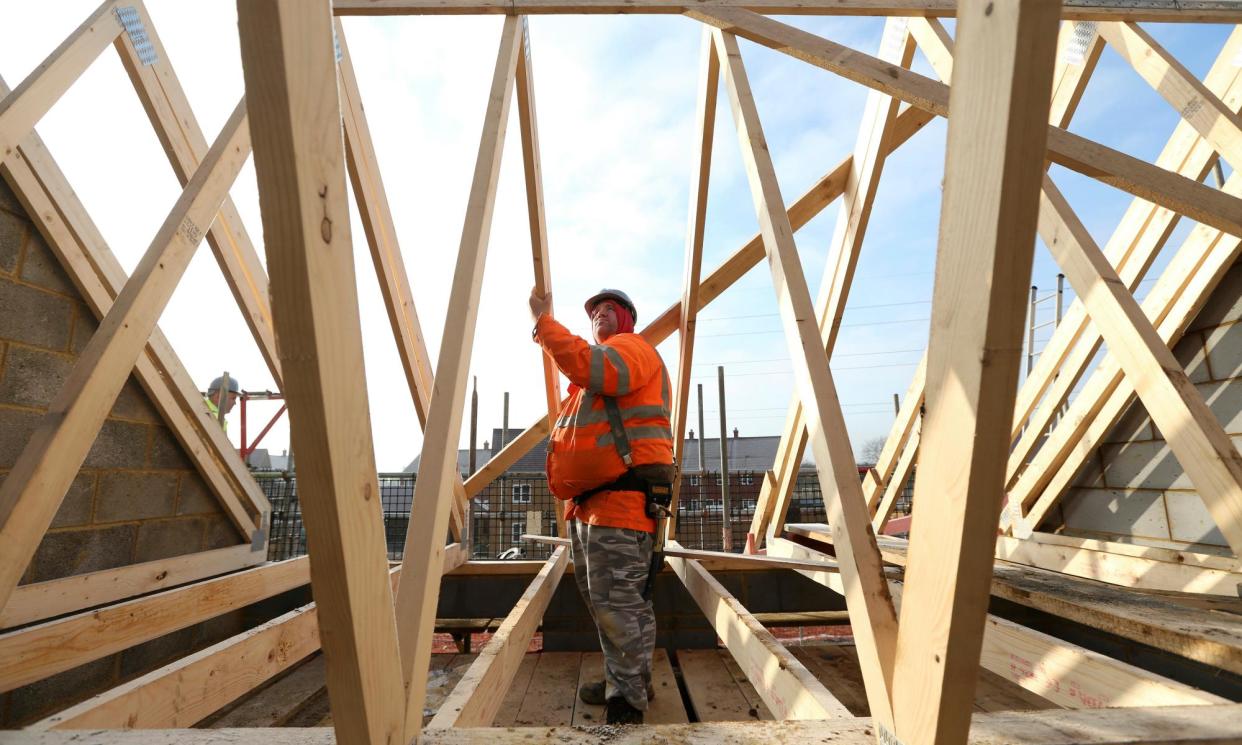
pixel 172 118
pixel 1064 673
pixel 667 706
pixel 837 668
pixel 1070 676
pixel 36 486
pixel 184 692
pixel 35 652
pixel 40 600
pixel 897 480
pixel 995 151
pixel 552 691
pixel 696 222
pixel 1176 406
pixel 1152 553
pixel 895 445
pixel 1137 240
pixel 1203 110
pixel 994 693
pixel 879 117
pixel 277 703
pixel 381 234
pixel 21 109
pixel 1196 633
pixel 591 670
pixel 1173 302
pixel 1104 164
pixel 737 561
pixel 867 598
pixel 57 212
pixel 712 690
pixel 528 127
pixel 804 618
pixel 1162 11
pixel 1119 569
pixel 433 499
pixel 290 74
pixel 1149 726
pixel 478 696
pixel 442 679
pixel 752 697
pixel 789 690
pixel 512 704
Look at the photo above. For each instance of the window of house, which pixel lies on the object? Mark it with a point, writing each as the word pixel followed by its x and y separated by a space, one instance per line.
pixel 747 478
pixel 521 493
pixel 694 481
pixel 718 480
pixel 517 529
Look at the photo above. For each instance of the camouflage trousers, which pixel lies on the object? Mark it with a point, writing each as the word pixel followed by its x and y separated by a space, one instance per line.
pixel 610 567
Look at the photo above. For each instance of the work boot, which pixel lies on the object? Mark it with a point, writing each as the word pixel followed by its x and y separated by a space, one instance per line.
pixel 618 711
pixel 593 693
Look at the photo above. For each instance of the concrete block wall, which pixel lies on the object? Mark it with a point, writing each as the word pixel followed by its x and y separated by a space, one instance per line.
pixel 136 498
pixel 1134 487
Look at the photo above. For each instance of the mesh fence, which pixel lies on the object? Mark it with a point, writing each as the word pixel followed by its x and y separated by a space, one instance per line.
pixel 522 503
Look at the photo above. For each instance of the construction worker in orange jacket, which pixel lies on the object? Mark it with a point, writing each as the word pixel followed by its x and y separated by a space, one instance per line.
pixel 616 420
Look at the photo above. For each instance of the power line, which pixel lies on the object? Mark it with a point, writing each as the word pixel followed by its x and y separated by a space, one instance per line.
pixel 844 325
pixel 786 359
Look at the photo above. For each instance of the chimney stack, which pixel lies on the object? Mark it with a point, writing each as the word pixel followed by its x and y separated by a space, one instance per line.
pixel 735 433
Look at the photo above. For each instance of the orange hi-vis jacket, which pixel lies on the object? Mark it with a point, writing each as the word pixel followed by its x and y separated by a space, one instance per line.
pixel 581 451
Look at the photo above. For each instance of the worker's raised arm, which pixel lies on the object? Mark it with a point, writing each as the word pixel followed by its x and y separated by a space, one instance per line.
pixel 620 365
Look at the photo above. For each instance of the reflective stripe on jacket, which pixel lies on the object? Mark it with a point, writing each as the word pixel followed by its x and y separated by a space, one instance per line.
pixel 581 452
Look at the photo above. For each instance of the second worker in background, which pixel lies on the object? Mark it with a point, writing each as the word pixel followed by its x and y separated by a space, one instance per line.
pixel 610 445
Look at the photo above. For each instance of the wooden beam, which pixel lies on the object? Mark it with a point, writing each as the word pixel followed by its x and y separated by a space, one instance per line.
pixel 1158 11
pixel 1183 288
pixel 1120 569
pixel 1104 164
pixel 381 234
pixel 528 126
pixel 416 597
pixel 35 488
pixel 888 464
pixel 1188 725
pixel 1134 245
pixel 696 222
pixel 57 212
pixel 1177 408
pixel 182 693
pixel 40 600
pixel 290 74
pixel 895 485
pixel 737 561
pixel 477 697
pixel 508 455
pixel 1153 553
pixel 1207 636
pixel 995 153
pixel 21 109
pixel 1060 672
pixel 867 598
pixel 870 149
pixel 35 652
pixel 162 97
pixel 1198 106
pixel 785 685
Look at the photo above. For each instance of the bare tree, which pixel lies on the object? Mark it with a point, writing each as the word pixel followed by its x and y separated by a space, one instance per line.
pixel 870 451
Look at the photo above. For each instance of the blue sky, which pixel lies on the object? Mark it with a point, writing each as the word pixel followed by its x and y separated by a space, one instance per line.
pixel 616 101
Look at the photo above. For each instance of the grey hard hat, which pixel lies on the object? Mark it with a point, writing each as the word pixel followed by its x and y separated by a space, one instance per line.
pixel 233 387
pixel 607 294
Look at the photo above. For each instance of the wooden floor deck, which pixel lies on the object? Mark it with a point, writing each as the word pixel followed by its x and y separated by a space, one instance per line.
pixel 711 688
